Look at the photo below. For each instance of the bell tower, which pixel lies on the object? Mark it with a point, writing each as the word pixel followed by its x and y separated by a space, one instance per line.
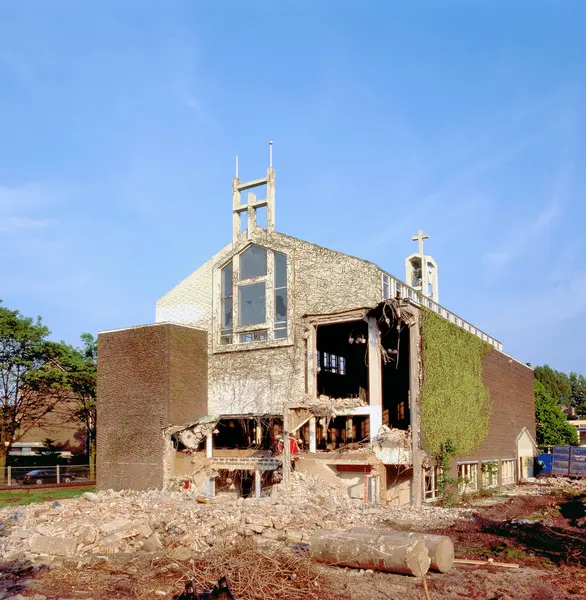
pixel 421 270
pixel 252 203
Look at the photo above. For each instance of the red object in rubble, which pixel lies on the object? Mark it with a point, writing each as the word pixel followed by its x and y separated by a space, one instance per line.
pixel 293 446
pixel 186 485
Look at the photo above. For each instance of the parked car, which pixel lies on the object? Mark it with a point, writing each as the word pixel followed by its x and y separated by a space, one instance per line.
pixel 40 476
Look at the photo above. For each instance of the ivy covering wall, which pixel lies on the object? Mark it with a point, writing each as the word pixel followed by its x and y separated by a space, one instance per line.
pixel 455 405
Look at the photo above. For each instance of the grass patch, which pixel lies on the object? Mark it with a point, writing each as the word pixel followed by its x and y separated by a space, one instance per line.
pixel 21 497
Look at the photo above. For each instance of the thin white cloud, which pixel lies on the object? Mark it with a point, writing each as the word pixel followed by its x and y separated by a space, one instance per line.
pixel 23 198
pixel 526 235
pixel 22 208
pixel 12 224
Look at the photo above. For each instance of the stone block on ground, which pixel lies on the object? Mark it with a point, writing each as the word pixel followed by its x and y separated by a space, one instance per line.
pixel 53 545
pixel 114 526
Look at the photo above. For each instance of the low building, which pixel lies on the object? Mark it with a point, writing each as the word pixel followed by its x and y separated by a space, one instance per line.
pixel 275 338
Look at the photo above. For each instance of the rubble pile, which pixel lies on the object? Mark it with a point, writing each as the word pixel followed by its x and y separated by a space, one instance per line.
pixel 179 523
pixel 537 486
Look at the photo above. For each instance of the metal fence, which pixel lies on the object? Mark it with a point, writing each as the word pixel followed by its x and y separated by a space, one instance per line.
pixel 61 475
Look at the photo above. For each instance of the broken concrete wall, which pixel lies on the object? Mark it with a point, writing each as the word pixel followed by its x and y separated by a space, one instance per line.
pixel 148 378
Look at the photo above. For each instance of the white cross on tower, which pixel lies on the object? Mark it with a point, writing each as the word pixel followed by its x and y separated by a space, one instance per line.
pixel 419 238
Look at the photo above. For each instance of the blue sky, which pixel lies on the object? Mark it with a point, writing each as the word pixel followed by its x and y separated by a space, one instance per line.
pixel 120 120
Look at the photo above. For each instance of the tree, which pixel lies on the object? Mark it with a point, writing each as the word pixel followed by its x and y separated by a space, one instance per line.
pixel 76 388
pixel 26 377
pixel 553 429
pixel 50 450
pixel 578 394
pixel 556 383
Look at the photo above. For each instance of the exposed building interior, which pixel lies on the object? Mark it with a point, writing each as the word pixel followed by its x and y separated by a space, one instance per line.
pixel 335 433
pixel 342 355
pixel 395 376
pixel 248 433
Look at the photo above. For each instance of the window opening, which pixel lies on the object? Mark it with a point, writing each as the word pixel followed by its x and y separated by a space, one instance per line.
pixel 508 471
pixel 490 470
pixel 253 262
pixel 251 302
pixel 468 476
pixel 227 291
pixel 251 290
pixel 280 295
pixel 386 286
pixel 332 363
pixel 432 476
pixel 254 336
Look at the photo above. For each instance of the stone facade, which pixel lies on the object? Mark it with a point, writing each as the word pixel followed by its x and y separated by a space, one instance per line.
pixel 261 377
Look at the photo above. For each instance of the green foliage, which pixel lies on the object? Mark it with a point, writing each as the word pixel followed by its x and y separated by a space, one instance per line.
pixel 448 486
pixel 76 385
pixel 22 497
pixel 456 406
pixel 552 426
pixel 565 389
pixel 578 395
pixel 556 384
pixel 26 374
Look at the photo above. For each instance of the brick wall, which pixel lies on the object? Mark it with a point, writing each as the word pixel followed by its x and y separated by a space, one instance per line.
pixel 148 378
pixel 188 350
pixel 510 385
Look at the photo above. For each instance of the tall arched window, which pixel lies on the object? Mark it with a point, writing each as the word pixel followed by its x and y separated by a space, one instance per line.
pixel 254 297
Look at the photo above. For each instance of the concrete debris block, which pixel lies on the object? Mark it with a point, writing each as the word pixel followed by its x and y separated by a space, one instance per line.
pixel 294 537
pixel 115 525
pixel 21 533
pixel 256 528
pixel 144 531
pixel 152 543
pixel 91 497
pixel 87 534
pixel 259 520
pixel 53 545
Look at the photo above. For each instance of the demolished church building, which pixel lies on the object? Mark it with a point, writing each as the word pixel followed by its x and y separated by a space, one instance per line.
pixel 277 353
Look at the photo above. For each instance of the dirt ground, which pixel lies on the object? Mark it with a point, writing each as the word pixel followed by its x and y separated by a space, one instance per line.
pixel 543 534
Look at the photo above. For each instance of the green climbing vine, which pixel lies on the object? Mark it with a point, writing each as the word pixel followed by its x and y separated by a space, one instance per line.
pixel 456 406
